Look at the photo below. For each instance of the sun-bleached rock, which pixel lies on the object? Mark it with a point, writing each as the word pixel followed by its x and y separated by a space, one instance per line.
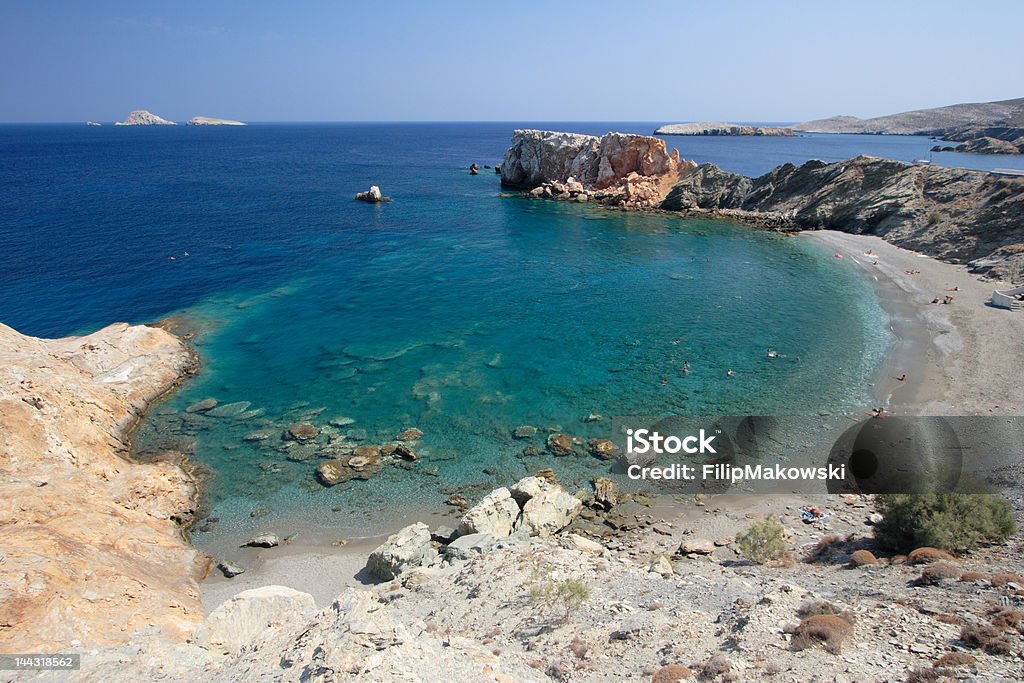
pixel 497 514
pixel 92 545
pixel 409 547
pixel 239 620
pixel 141 117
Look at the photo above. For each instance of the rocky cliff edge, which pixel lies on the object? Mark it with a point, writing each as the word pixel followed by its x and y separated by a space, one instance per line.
pixel 90 544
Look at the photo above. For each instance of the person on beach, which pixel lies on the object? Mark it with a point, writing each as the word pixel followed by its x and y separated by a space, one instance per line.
pixel 948 299
pixel 877 413
pixel 901 378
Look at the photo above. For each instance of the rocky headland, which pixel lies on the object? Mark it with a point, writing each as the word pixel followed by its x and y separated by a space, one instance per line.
pixel 209 121
pixel 983 128
pixel 717 128
pixel 956 215
pixel 616 168
pixel 141 117
pixel 91 547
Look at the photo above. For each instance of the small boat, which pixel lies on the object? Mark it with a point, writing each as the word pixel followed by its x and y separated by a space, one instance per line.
pixel 91 123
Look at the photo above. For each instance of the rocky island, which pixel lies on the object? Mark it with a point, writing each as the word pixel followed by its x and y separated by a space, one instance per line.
pixel 625 169
pixel 716 128
pixel 141 117
pixel 209 121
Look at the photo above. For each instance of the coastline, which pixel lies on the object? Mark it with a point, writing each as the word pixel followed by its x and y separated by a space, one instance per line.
pixel 955 356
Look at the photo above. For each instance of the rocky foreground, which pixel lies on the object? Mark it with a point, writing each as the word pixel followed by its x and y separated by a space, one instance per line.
pixel 91 550
pixel 536 584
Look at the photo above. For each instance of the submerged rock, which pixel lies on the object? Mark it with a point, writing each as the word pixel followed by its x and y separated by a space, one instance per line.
pixel 410 434
pixel 229 409
pixel 603 448
pixel 524 432
pixel 331 472
pixel 403 550
pixel 202 405
pixel 302 431
pixel 559 444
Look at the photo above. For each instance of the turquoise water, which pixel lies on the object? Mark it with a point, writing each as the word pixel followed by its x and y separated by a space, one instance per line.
pixel 535 313
pixel 453 308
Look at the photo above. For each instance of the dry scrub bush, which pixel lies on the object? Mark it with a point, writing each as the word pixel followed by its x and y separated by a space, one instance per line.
pixel 954 660
pixel 862 558
pixel 716 666
pixel 953 619
pixel 829 630
pixel 1000 579
pixel 672 673
pixel 1007 619
pixel 935 574
pixel 971 577
pixel 986 637
pixel 763 542
pixel 927 555
pixel 815 607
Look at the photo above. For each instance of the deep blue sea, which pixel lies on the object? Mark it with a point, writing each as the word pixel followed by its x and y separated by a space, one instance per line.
pixel 452 308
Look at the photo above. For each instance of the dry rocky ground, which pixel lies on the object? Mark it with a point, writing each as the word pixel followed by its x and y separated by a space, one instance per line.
pixel 646 597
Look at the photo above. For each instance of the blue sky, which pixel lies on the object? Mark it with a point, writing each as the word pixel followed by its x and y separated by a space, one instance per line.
pixel 524 60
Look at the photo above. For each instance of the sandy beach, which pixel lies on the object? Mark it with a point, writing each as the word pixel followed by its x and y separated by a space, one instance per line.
pixel 960 358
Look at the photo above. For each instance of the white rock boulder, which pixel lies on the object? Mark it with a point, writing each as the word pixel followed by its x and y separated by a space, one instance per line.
pixel 240 620
pixel 496 514
pixel 403 550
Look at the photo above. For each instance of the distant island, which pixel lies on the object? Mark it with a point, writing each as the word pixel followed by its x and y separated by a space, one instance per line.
pixel 718 128
pixel 141 117
pixel 209 121
pixel 984 128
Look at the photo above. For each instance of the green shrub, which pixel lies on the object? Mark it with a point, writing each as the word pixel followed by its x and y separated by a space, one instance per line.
pixel 563 597
pixel 956 522
pixel 935 217
pixel 763 542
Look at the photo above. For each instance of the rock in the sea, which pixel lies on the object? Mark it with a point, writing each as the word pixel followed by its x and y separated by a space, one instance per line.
pixel 403 550
pixel 263 541
pixel 634 170
pixel 242 619
pixel 331 472
pixel 210 121
pixel 341 421
pixel 497 514
pixel 410 434
pixel 524 432
pixel 302 431
pixel 559 444
pixel 202 405
pixel 458 500
pixel 229 409
pixel 229 569
pixel 373 195
pixel 603 448
pixel 141 117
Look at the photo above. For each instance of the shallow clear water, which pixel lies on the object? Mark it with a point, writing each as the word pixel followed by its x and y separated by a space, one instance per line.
pixel 452 308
